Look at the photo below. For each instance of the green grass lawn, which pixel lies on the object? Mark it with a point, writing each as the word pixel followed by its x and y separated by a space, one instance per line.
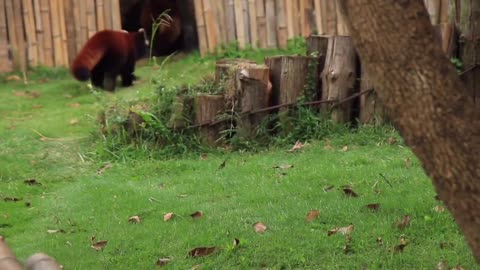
pixel 46 134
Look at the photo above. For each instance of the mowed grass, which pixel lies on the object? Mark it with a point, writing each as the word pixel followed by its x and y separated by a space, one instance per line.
pixel 48 138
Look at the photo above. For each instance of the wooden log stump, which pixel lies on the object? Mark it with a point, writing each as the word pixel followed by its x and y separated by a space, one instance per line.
pixel 207 109
pixel 251 97
pixel 317 45
pixel 223 66
pixel 339 76
pixel 291 76
pixel 371 109
pixel 7 258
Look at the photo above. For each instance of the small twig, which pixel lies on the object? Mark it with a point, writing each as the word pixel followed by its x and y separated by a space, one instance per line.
pixel 45 138
pixel 386 180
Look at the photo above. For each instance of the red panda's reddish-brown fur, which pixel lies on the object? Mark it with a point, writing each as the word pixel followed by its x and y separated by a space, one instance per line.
pixel 168 36
pixel 107 54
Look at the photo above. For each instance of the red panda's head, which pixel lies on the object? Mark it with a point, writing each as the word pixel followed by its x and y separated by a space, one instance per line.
pixel 141 43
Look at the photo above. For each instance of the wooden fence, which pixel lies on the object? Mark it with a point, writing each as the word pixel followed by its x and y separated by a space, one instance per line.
pixel 50 32
pixel 270 23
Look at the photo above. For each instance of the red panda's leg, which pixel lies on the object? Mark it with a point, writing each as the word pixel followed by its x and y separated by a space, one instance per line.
pixel 97 79
pixel 109 81
pixel 127 73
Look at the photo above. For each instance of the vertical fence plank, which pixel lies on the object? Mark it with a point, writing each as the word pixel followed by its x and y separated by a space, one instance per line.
pixel 261 23
pixel 230 20
pixel 116 15
pixel 318 17
pixel 63 31
pixel 100 15
pixel 39 32
pixel 12 34
pixel 107 13
pixel 91 20
pixel 56 33
pixel 220 24
pixel 70 22
pixel 201 29
pixel 271 24
pixel 341 24
pixel 82 24
pixel 253 23
pixel 290 18
pixel 5 64
pixel 47 32
pixel 295 6
pixel 210 25
pixel 331 13
pixel 242 41
pixel 282 31
pixel 246 22
pixel 29 19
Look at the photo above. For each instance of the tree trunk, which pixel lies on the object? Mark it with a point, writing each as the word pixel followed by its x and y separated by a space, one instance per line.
pixel 425 99
pixel 470 49
pixel 339 76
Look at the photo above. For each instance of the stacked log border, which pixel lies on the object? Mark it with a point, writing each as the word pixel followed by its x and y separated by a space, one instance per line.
pixel 50 32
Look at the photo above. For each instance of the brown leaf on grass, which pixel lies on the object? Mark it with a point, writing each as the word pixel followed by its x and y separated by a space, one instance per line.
pixel 27 94
pixel 347 249
pixel 67 96
pixel 401 246
pixel 134 219
pixel 328 147
pixel 74 105
pixel 439 209
pixel 202 251
pixel 373 206
pixel 10 78
pixel 11 199
pixel 259 227
pixel 203 157
pixel 37 106
pixel 343 230
pixel 197 214
pixel 391 140
pixel 379 241
pixel 99 245
pixel 32 182
pixel 408 163
pixel 312 215
pixel 328 188
pixel 283 166
pixel 349 192
pixel 163 262
pixel 344 149
pixel 168 216
pixel 56 231
pixel 73 121
pixel 105 167
pixel 458 267
pixel 403 223
pixel 297 146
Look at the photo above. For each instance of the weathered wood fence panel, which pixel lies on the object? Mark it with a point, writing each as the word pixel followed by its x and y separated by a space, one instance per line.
pixel 50 32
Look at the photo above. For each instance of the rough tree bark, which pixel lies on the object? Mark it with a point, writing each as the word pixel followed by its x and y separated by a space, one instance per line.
pixel 426 100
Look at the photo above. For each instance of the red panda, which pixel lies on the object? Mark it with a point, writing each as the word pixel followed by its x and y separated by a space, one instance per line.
pixel 168 36
pixel 107 54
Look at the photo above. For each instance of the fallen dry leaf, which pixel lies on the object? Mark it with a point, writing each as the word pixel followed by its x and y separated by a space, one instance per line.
pixel 439 209
pixel 105 167
pixel 32 182
pixel 391 140
pixel 442 265
pixel 163 261
pixel 328 188
pixel 373 206
pixel 203 157
pixel 401 246
pixel 56 231
pixel 259 227
pixel 408 163
pixel 37 106
pixel 347 249
pixel 67 96
pixel 74 105
pixel 197 214
pixel 297 146
pixel 134 219
pixel 202 251
pixel 236 242
pixel 344 149
pixel 11 199
pixel 283 166
pixel 312 215
pixel 168 216
pixel 343 230
pixel 99 245
pixel 73 121
pixel 349 192
pixel 458 267
pixel 328 147
pixel 404 222
pixel 379 241
pixel 27 94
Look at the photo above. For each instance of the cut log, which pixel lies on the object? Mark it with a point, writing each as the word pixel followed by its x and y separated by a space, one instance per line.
pixel 207 109
pixel 251 97
pixel 339 76
pixel 181 112
pixel 292 77
pixel 371 108
pixel 223 66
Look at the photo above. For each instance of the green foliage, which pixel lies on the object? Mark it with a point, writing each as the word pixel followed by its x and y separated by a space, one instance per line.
pixel 457 63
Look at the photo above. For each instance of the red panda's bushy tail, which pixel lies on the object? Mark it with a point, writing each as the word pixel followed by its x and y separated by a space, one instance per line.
pixel 86 60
